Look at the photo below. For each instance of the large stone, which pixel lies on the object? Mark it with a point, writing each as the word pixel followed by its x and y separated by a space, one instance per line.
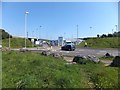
pixel 85 59
pixel 107 54
pixel 116 62
pixel 23 49
pixel 81 59
pixel 55 54
pixel 5 49
pixel 46 53
pixel 93 58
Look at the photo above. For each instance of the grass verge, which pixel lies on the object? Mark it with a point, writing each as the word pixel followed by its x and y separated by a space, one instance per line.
pixel 32 70
pixel 16 43
pixel 112 42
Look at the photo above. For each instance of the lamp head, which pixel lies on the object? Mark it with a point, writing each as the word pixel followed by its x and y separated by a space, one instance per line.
pixel 26 12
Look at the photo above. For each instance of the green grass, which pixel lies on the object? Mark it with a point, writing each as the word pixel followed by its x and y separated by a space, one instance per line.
pixel 102 43
pixel 28 69
pixel 16 43
pixel 106 58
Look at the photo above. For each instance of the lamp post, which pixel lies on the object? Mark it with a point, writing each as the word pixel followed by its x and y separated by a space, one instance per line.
pixel 26 13
pixel 39 32
pixel 33 38
pixel 9 40
pixel 90 28
pixel 116 27
pixel 112 31
pixel 77 34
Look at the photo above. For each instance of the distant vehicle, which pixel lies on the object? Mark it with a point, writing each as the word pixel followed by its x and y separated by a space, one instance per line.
pixel 69 47
pixel 0 46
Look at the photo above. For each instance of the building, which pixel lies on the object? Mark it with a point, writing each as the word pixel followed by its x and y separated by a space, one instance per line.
pixel 73 41
pixel 54 42
pixel 60 41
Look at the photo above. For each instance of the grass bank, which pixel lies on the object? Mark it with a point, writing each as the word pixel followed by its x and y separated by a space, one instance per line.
pixel 108 42
pixel 32 70
pixel 16 43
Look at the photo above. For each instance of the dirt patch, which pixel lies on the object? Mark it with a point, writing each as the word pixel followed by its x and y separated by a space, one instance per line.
pixel 106 62
pixel 68 59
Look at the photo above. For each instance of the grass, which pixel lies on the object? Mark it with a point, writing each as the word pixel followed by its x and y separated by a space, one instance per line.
pixel 106 58
pixel 32 70
pixel 16 43
pixel 108 42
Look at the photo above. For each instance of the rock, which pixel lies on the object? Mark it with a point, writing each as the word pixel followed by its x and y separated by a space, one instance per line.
pixel 116 62
pixel 80 59
pixel 107 55
pixel 85 59
pixel 5 49
pixel 55 54
pixel 93 58
pixel 23 49
pixel 46 53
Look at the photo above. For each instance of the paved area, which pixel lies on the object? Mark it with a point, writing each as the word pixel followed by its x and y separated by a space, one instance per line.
pixel 78 51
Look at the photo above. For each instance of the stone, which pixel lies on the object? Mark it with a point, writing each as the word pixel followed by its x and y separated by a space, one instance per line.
pixel 55 54
pixel 46 53
pixel 116 62
pixel 23 49
pixel 107 55
pixel 5 49
pixel 80 59
pixel 93 58
pixel 85 59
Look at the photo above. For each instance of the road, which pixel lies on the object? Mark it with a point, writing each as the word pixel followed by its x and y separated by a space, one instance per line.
pixel 78 51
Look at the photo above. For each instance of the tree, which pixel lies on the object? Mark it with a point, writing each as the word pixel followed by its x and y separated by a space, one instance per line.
pixel 4 34
pixel 110 35
pixel 98 35
pixel 103 36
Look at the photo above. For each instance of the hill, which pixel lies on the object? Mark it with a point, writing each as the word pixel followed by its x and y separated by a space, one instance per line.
pixel 107 42
pixel 4 34
pixel 16 43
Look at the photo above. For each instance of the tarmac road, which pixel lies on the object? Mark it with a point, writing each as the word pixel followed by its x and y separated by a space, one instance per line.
pixel 88 51
pixel 78 51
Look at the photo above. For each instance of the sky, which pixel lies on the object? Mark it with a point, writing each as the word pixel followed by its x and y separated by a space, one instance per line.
pixel 60 18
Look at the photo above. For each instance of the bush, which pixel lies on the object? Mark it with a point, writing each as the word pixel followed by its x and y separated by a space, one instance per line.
pixel 4 34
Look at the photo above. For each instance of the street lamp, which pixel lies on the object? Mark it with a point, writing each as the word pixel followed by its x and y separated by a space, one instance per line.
pixel 26 13
pixel 90 28
pixel 112 31
pixel 9 40
pixel 77 34
pixel 33 39
pixel 39 32
pixel 116 27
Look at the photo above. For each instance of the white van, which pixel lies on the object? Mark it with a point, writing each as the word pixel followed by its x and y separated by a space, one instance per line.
pixel 0 46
